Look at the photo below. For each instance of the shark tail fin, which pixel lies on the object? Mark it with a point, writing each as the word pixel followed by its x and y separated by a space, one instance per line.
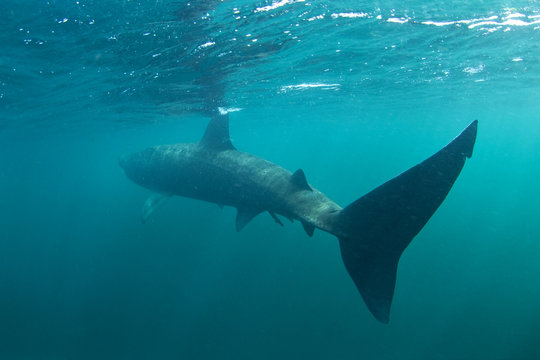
pixel 377 228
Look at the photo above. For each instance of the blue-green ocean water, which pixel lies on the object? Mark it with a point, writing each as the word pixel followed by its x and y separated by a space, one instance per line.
pixel 351 92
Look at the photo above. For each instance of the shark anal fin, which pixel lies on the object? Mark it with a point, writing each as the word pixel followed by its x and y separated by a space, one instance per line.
pixel 298 179
pixel 217 136
pixel 244 216
pixel 310 229
pixel 152 203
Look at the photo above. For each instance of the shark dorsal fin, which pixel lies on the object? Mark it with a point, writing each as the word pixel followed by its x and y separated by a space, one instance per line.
pixel 298 179
pixel 216 136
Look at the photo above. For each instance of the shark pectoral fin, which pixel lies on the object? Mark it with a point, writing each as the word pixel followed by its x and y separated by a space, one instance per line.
pixel 298 180
pixel 244 216
pixel 308 228
pixel 152 203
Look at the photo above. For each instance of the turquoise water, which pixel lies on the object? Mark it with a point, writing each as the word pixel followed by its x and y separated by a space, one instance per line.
pixel 351 92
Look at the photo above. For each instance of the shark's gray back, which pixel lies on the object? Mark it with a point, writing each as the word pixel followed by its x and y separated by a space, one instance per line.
pixel 229 177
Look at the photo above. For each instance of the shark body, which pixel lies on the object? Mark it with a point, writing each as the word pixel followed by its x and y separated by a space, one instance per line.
pixel 373 231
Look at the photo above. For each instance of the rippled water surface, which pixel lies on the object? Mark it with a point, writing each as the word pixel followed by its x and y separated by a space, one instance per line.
pixel 172 57
pixel 352 92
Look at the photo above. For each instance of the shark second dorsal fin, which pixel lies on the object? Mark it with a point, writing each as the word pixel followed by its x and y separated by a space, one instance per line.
pixel 298 180
pixel 217 136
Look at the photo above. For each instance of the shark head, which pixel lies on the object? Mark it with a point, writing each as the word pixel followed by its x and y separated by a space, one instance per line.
pixel 130 165
pixel 122 161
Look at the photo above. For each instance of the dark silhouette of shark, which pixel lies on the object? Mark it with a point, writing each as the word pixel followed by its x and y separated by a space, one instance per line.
pixel 373 231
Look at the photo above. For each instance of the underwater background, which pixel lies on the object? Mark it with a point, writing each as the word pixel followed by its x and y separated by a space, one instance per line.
pixel 352 92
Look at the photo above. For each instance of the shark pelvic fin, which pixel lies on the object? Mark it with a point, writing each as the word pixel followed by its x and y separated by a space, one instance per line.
pixel 217 136
pixel 152 203
pixel 298 180
pixel 244 216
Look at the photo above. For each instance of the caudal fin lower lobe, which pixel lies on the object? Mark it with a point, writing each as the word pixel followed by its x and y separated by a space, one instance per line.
pixel 381 224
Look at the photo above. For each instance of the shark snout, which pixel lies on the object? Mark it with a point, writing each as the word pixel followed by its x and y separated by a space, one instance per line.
pixel 122 161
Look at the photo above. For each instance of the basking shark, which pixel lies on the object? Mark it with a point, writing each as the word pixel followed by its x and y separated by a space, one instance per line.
pixel 373 231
